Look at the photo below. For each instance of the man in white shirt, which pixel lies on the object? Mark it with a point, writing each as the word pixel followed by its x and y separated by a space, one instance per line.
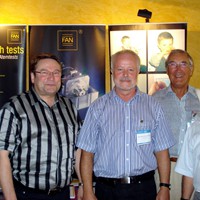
pixel 188 163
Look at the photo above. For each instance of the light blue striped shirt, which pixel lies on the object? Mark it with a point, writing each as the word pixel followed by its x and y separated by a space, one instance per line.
pixel 178 112
pixel 110 132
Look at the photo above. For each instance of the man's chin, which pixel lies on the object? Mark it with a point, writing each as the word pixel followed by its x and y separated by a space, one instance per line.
pixel 51 92
pixel 126 88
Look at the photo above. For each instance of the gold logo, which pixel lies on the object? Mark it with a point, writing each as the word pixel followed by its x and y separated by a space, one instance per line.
pixel 14 36
pixel 67 40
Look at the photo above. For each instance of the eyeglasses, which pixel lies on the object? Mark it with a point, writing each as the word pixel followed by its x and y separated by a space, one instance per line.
pixel 174 65
pixel 46 73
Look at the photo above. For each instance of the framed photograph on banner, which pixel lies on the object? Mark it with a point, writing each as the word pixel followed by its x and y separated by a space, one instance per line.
pixel 153 43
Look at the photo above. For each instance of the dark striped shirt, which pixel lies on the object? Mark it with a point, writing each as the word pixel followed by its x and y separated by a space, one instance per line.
pixel 41 139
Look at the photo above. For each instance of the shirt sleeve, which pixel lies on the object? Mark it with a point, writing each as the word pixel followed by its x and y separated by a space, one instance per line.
pixel 164 138
pixel 89 132
pixel 8 127
pixel 184 163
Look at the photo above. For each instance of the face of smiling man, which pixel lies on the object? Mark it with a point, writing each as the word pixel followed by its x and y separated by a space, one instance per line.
pixel 47 78
pixel 179 71
pixel 125 72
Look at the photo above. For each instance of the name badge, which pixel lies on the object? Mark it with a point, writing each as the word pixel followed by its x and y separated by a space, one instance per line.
pixel 143 137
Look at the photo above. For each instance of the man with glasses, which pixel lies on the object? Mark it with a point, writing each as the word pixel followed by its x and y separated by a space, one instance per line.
pixel 180 102
pixel 38 129
pixel 188 163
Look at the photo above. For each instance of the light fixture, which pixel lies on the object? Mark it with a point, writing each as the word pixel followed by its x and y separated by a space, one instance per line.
pixel 144 13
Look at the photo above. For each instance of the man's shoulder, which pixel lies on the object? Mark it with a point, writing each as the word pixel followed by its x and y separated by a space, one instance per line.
pixel 63 98
pixel 146 99
pixel 17 97
pixel 14 102
pixel 193 94
pixel 197 92
pixel 161 93
pixel 101 100
pixel 65 101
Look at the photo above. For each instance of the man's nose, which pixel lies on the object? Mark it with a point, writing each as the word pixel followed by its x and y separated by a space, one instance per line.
pixel 125 72
pixel 50 75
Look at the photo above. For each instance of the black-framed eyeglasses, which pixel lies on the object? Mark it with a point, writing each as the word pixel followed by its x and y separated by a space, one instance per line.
pixel 46 73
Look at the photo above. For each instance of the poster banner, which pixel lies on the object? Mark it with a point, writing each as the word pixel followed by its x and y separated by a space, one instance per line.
pixel 152 42
pixel 81 49
pixel 12 61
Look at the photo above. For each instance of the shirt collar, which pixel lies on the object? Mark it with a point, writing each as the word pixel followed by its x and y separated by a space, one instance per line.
pixel 191 90
pixel 113 94
pixel 36 98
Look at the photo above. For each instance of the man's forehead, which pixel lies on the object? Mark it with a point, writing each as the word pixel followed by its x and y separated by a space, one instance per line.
pixel 125 62
pixel 48 62
pixel 178 56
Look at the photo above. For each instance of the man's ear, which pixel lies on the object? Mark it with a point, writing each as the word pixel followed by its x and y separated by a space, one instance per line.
pixel 191 70
pixel 32 77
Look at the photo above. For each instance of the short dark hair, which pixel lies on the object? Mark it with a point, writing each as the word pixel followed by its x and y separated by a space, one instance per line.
pixel 36 59
pixel 124 38
pixel 165 35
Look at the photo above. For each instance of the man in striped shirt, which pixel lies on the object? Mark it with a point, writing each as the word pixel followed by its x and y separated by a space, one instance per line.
pixel 38 130
pixel 124 138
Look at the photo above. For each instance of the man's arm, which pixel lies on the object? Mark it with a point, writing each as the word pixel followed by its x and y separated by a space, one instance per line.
pixel 187 187
pixel 86 175
pixel 77 168
pixel 6 180
pixel 164 167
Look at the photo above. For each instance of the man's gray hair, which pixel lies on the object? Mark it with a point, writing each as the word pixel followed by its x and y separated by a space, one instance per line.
pixel 126 51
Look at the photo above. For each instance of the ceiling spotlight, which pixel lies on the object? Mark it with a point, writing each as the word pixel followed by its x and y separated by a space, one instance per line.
pixel 145 13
